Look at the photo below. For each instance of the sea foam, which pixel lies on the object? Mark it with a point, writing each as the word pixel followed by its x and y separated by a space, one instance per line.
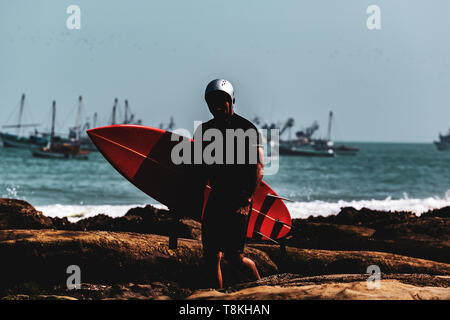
pixel 297 209
pixel 77 212
pixel 322 208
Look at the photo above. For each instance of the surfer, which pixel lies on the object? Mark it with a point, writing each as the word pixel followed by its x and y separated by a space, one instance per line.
pixel 233 182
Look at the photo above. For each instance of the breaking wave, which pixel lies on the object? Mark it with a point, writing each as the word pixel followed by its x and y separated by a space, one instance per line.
pixel 322 208
pixel 297 209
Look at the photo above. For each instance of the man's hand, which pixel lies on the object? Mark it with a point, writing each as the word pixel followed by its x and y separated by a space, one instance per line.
pixel 260 166
pixel 245 210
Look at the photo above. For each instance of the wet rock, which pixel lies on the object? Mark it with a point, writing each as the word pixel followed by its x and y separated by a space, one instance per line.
pixel 292 279
pixel 16 297
pixel 143 220
pixel 43 256
pixel 427 236
pixel 312 262
pixel 129 257
pixel 441 213
pixel 343 288
pixel 38 259
pixel 53 297
pixel 19 214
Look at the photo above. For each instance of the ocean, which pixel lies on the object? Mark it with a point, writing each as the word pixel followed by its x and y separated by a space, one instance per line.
pixel 384 176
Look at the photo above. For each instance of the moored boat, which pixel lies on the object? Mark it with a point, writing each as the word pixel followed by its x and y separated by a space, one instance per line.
pixel 343 150
pixel 444 142
pixel 57 149
pixel 61 151
pixel 304 150
pixel 10 140
pixel 16 141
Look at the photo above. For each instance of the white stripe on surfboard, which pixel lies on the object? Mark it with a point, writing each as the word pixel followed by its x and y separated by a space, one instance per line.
pixel 271 218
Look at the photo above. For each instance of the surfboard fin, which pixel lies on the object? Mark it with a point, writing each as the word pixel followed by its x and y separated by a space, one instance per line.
pixel 281 243
pixel 278 197
pixel 266 237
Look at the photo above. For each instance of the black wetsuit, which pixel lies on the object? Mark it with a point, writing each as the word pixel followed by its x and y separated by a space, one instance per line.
pixel 223 227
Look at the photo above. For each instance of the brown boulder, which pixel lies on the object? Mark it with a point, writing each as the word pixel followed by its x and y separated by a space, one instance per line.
pixel 354 290
pixel 441 213
pixel 311 262
pixel 146 219
pixel 19 214
pixel 427 236
pixel 42 256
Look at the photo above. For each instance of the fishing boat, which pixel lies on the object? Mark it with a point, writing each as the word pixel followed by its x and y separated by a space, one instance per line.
pixel 343 150
pixel 129 117
pixel 305 151
pixel 59 149
pixel 328 144
pixel 78 132
pixel 86 142
pixel 168 126
pixel 444 142
pixel 302 145
pixel 305 145
pixel 17 141
pixel 10 140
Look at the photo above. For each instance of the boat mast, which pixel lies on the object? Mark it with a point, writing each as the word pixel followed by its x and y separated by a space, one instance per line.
pixel 78 122
pixel 126 111
pixel 22 103
pixel 113 122
pixel 52 134
pixel 329 126
pixel 171 124
pixel 95 120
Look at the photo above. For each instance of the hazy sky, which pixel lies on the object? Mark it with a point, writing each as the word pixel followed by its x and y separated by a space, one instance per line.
pixel 284 58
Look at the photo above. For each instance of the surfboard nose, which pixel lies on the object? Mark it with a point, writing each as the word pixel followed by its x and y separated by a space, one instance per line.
pixel 89 133
pixel 94 135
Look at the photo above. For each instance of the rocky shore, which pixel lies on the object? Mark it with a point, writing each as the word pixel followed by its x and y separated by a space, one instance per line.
pixel 130 258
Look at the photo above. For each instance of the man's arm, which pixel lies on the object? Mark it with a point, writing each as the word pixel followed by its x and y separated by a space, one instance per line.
pixel 259 171
pixel 258 178
pixel 200 178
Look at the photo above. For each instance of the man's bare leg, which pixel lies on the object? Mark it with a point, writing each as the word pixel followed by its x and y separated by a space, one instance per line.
pixel 213 268
pixel 245 264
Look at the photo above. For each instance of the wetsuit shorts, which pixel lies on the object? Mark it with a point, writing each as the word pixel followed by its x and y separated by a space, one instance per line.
pixel 224 230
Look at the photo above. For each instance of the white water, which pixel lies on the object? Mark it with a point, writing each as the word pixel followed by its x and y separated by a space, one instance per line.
pixel 321 208
pixel 77 212
pixel 297 209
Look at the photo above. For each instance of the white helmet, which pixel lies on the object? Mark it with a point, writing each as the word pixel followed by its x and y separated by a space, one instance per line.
pixel 221 85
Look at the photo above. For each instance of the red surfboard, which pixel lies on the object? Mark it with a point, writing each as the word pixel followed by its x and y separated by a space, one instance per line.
pixel 143 156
